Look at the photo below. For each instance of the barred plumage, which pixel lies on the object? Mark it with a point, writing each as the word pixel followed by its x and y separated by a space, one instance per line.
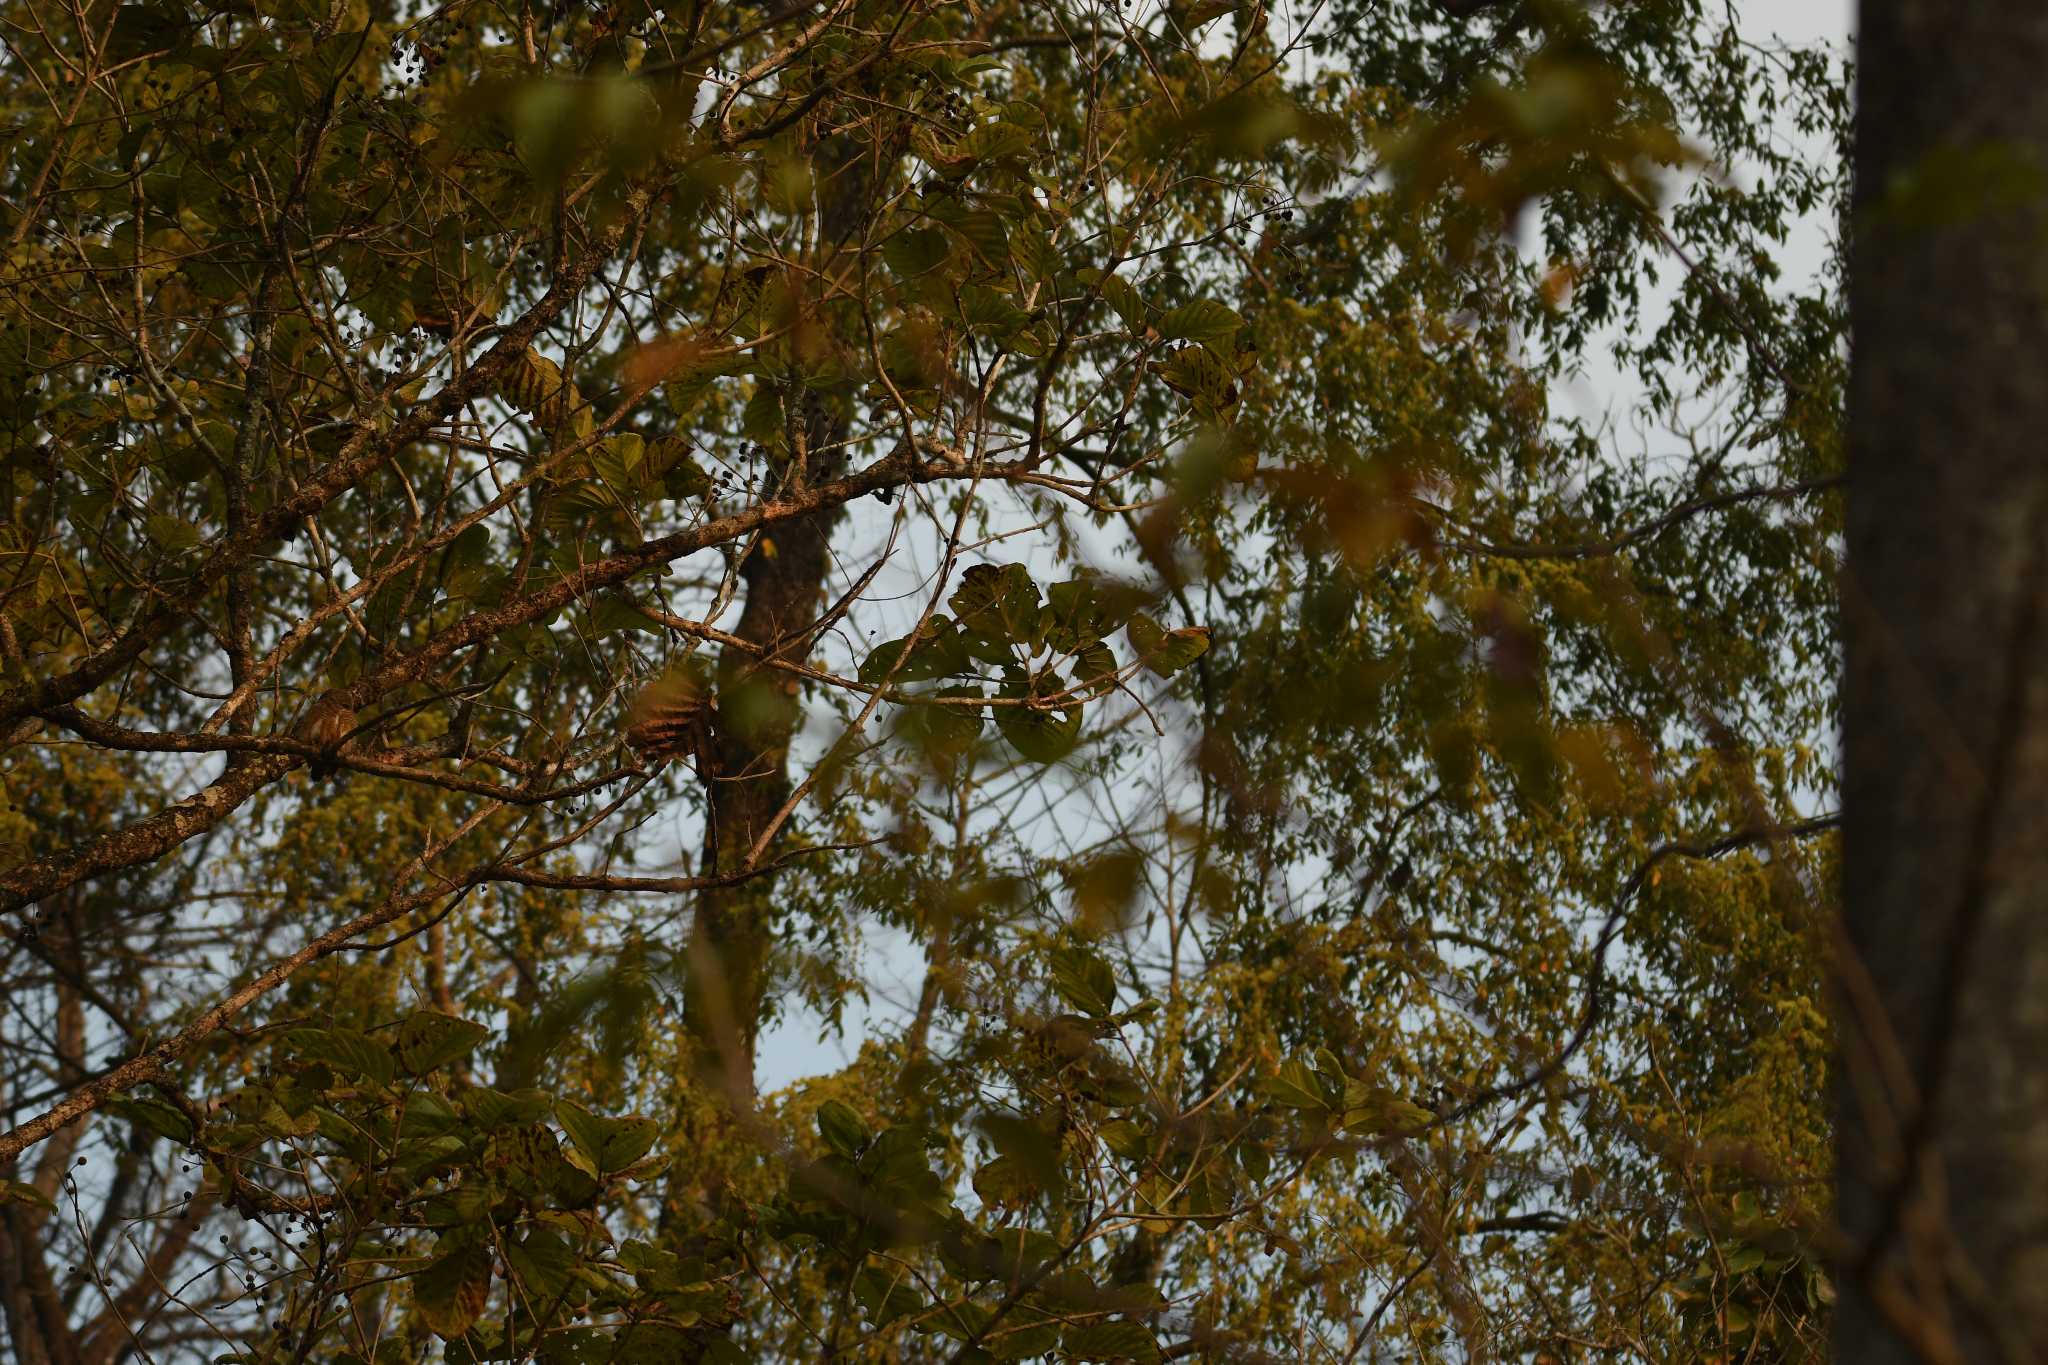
pixel 669 715
pixel 328 724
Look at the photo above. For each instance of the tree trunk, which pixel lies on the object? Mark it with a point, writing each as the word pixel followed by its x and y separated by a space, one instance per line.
pixel 1943 1100
pixel 749 782
pixel 758 709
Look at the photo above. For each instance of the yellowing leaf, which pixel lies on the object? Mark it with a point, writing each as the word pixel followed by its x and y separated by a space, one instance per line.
pixel 450 1294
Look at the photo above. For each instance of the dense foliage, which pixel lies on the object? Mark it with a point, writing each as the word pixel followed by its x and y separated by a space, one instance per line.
pixel 543 543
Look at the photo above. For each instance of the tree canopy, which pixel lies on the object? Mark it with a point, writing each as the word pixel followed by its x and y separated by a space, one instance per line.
pixel 1053 540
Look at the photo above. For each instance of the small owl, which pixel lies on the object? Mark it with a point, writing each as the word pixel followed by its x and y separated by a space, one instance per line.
pixel 669 715
pixel 327 725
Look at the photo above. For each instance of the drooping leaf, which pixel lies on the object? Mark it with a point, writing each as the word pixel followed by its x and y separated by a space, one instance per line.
pixel 999 601
pixel 349 1052
pixel 450 1293
pixel 610 1144
pixel 1297 1086
pixel 1111 1341
pixel 1166 652
pixel 19 1192
pixel 844 1130
pixel 1043 735
pixel 427 1040
pixel 1201 320
pixel 1084 981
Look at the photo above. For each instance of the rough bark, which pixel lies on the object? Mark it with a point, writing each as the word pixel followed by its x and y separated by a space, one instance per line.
pixel 36 1322
pixel 1943 1099
pixel 758 712
pixel 31 1300
pixel 748 783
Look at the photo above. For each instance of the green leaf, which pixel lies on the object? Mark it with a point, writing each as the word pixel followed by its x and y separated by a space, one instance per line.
pixel 1033 253
pixel 963 1321
pixel 531 1157
pixel 718 1350
pixel 416 1160
pixel 1376 1111
pixel 617 460
pixel 1203 320
pixel 1111 1341
pixel 1137 1013
pixel 546 128
pixel 610 1144
pixel 164 1120
pixel 450 1293
pixel 1119 294
pixel 463 1206
pixel 670 463
pixel 1083 610
pixel 494 1109
pixel 1016 1340
pixel 984 232
pixel 1005 1182
pixel 350 1053
pixel 936 653
pixel 915 251
pixel 1034 1151
pixel 16 1192
pixel 886 1295
pixel 991 141
pixel 1043 736
pixel 1297 1086
pixel 428 1115
pixel 1744 1259
pixel 173 533
pixel 428 1040
pixel 1198 373
pixel 1084 981
pixel 895 1161
pixel 764 418
pixel 1093 663
pixel 140 30
pixel 989 310
pixel 999 601
pixel 844 1131
pixel 463 563
pixel 1125 1138
pixel 943 729
pixel 614 616
pixel 651 1266
pixel 1166 652
pixel 543 1264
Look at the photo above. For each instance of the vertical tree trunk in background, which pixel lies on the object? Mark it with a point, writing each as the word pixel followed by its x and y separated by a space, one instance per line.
pixel 1942 1083
pixel 758 709
pixel 749 781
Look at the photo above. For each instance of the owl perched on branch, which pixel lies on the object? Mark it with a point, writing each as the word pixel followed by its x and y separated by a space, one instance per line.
pixel 671 716
pixel 328 724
